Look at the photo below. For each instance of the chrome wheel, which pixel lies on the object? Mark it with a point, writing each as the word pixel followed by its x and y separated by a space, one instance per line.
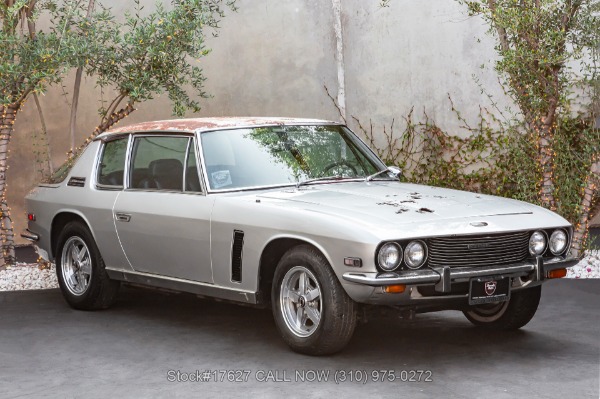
pixel 76 266
pixel 300 301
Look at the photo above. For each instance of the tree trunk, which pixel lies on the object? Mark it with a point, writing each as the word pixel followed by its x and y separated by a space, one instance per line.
pixel 45 164
pixel 114 118
pixel 542 135
pixel 546 161
pixel 591 187
pixel 8 115
pixel 76 87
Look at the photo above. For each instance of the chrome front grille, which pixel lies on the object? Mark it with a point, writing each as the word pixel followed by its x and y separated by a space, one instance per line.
pixel 496 249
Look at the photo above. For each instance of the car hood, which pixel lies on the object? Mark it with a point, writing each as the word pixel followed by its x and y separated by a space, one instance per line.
pixel 402 202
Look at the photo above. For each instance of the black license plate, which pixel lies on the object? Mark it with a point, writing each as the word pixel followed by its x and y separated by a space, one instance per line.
pixel 489 290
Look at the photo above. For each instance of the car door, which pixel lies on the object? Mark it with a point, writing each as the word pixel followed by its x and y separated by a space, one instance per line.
pixel 163 215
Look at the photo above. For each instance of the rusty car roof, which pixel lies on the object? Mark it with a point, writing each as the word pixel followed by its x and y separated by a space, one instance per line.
pixel 205 124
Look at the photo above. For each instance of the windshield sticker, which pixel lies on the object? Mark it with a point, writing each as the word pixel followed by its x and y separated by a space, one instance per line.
pixel 221 178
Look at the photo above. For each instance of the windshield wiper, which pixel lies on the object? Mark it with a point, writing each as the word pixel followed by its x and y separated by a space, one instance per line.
pixel 324 178
pixel 374 175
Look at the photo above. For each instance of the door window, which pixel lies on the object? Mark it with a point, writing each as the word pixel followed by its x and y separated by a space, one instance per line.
pixel 157 163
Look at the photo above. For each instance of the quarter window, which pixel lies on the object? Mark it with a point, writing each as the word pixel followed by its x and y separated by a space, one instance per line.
pixel 112 163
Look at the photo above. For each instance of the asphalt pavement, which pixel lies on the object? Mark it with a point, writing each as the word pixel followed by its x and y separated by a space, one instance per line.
pixel 155 344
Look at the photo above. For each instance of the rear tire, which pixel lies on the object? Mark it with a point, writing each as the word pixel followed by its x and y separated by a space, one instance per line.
pixel 312 311
pixel 510 315
pixel 81 271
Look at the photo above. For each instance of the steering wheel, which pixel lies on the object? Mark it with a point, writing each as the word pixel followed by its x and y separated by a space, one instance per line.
pixel 339 163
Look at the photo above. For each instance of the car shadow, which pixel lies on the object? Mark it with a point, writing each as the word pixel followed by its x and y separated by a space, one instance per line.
pixel 433 338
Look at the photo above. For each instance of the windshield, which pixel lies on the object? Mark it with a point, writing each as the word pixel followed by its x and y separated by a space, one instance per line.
pixel 281 155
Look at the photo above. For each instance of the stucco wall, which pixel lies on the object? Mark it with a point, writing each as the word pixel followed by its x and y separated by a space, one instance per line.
pixel 273 57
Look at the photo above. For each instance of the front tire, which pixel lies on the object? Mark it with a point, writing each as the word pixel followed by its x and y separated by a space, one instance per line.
pixel 81 272
pixel 312 311
pixel 510 315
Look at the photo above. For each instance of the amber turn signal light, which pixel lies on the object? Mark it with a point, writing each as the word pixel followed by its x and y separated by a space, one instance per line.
pixel 394 289
pixel 558 273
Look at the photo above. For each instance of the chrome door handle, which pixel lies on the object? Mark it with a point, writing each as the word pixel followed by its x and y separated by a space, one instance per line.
pixel 122 217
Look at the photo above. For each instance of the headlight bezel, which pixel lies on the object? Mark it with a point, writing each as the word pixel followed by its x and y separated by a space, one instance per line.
pixel 406 251
pixel 566 245
pixel 544 235
pixel 378 255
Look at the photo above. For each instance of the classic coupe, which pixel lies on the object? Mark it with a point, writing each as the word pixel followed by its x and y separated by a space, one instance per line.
pixel 299 215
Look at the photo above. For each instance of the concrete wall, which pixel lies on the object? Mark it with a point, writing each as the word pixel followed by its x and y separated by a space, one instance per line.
pixel 273 58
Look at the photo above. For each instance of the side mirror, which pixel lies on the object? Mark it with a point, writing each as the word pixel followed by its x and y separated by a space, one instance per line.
pixel 396 171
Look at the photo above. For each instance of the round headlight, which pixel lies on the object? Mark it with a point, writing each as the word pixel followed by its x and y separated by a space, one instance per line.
pixel 415 254
pixel 389 256
pixel 558 242
pixel 537 243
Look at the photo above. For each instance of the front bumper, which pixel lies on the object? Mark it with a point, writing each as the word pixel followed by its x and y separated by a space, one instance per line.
pixel 523 274
pixel 446 275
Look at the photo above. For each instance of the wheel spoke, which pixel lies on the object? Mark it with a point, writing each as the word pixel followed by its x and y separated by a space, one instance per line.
pixel 293 296
pixel 80 279
pixel 82 253
pixel 86 268
pixel 313 294
pixel 299 316
pixel 74 254
pixel 302 283
pixel 312 314
pixel 73 280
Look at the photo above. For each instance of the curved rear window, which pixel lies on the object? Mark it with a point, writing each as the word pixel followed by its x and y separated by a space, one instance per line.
pixel 63 170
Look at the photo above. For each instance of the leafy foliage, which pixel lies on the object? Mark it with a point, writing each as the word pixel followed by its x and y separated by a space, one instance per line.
pixel 152 54
pixel 539 42
pixel 30 61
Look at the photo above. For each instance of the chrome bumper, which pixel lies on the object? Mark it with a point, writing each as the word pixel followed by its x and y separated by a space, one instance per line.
pixel 445 276
pixel 30 236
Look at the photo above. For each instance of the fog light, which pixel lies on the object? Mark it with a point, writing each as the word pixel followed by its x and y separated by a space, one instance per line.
pixel 558 273
pixel 394 289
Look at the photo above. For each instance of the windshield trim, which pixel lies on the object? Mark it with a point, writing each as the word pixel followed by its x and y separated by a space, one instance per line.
pixel 349 133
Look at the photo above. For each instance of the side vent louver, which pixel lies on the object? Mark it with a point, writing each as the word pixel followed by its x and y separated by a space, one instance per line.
pixel 76 182
pixel 236 255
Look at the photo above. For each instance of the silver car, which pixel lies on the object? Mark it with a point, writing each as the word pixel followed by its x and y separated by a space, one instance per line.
pixel 299 215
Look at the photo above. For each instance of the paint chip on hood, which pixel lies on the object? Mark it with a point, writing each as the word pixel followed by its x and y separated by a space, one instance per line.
pixel 425 210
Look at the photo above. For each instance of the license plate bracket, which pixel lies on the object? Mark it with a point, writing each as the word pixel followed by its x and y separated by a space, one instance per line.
pixel 493 289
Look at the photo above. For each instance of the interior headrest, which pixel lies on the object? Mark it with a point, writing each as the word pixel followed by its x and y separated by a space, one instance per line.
pixel 165 167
